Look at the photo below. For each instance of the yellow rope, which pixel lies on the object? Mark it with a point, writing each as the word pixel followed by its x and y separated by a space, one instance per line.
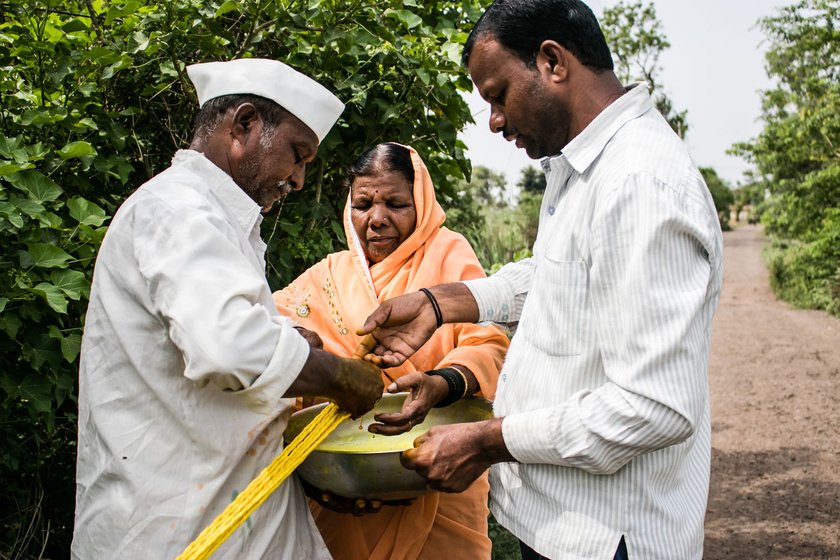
pixel 267 482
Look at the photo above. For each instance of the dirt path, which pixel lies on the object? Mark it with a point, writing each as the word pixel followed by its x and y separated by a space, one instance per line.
pixel 775 388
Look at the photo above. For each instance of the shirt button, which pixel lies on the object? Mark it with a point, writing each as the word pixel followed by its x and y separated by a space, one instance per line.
pixel 551 210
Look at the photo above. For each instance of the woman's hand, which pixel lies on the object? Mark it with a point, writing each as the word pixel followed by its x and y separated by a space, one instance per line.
pixel 425 391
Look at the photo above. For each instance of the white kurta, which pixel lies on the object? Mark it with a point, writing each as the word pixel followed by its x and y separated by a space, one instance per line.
pixel 604 388
pixel 184 363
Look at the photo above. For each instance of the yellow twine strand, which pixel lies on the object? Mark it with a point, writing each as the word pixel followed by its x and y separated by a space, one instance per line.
pixel 267 482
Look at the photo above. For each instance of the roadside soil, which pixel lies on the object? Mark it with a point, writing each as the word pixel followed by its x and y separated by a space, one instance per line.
pixel 775 386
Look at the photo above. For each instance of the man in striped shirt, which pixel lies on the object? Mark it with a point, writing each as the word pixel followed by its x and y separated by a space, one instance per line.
pixel 601 443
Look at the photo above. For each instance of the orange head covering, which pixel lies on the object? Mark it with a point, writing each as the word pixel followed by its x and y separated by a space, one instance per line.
pixel 390 277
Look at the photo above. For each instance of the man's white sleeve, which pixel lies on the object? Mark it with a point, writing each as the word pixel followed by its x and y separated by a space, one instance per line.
pixel 500 297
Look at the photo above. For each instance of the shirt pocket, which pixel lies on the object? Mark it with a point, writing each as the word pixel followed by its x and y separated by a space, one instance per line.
pixel 558 301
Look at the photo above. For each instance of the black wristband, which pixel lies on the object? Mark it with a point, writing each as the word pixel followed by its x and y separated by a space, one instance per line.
pixel 456 382
pixel 435 306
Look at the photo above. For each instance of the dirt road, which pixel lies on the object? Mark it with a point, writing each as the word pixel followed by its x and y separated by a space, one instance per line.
pixel 775 388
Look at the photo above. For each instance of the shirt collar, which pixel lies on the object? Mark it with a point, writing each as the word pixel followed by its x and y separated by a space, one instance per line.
pixel 244 210
pixel 587 146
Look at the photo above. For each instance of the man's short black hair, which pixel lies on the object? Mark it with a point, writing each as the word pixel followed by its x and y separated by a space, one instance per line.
pixel 212 112
pixel 523 25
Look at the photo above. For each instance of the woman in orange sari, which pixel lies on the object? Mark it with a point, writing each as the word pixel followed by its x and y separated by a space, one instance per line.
pixel 397 245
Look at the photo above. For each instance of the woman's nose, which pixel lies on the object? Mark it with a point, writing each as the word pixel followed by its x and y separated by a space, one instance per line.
pixel 378 216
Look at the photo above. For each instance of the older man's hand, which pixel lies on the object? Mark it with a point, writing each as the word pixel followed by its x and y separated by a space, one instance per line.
pixel 311 337
pixel 357 386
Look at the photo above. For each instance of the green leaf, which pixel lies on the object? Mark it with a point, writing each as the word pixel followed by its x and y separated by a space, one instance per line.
pixel 76 149
pixel 54 297
pixel 35 390
pixel 453 52
pixel 74 25
pixel 409 19
pixel 423 74
pixel 70 344
pixel 86 123
pixel 44 255
pixel 8 145
pixel 3 302
pixel 39 187
pixel 72 282
pixel 9 168
pixel 43 116
pixel 86 212
pixel 29 207
pixel 11 324
pixel 226 7
pixel 12 214
pixel 50 220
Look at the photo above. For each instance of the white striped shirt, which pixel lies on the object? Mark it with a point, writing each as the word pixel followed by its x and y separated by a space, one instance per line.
pixel 604 390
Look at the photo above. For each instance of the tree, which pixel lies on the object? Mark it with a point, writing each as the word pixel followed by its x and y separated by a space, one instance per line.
pixel 95 100
pixel 797 151
pixel 751 194
pixel 531 180
pixel 486 187
pixel 721 195
pixel 636 39
pixel 797 155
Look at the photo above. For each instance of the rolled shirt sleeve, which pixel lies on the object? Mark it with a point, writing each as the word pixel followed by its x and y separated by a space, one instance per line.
pixel 652 256
pixel 500 297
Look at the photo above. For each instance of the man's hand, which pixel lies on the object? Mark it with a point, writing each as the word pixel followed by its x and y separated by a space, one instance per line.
pixel 396 330
pixel 425 391
pixel 311 337
pixel 453 456
pixel 400 326
pixel 353 384
pixel 357 387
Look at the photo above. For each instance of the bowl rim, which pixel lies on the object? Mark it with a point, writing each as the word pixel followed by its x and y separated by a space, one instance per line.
pixel 316 408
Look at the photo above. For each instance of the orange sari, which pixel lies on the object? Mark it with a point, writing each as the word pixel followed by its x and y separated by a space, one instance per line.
pixel 333 298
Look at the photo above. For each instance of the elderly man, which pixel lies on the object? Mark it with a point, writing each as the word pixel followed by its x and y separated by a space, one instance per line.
pixel 601 444
pixel 187 370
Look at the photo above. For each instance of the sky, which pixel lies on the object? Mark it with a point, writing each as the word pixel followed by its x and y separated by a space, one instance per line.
pixel 714 69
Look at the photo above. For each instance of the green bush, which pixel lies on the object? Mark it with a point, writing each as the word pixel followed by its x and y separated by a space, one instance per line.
pixel 505 545
pixel 808 274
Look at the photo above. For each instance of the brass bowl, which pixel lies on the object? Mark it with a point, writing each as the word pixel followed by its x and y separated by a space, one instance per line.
pixel 355 463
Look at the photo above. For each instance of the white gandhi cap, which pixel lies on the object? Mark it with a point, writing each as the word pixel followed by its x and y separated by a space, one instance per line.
pixel 302 96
